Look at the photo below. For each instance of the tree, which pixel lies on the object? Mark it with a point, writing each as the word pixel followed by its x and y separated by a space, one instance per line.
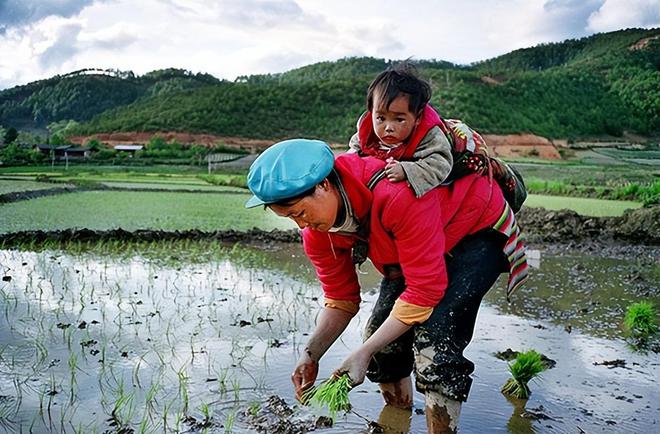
pixel 93 145
pixel 10 135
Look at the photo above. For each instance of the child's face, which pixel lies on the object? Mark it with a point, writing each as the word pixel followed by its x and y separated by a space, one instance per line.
pixel 394 124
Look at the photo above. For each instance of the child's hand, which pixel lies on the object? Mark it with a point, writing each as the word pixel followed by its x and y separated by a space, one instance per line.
pixel 394 171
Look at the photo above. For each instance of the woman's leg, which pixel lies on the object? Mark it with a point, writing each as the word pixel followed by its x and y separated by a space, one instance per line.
pixel 442 371
pixel 391 367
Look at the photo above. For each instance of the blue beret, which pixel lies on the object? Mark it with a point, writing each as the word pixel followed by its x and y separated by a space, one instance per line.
pixel 287 169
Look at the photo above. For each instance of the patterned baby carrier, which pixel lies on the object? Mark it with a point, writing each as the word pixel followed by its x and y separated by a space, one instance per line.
pixel 470 154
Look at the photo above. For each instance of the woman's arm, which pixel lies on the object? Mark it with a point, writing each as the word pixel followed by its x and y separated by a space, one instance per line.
pixel 331 324
pixel 357 362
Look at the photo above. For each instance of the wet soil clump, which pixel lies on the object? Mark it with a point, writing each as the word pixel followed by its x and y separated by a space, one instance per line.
pixel 276 417
pixel 252 236
pixel 639 226
pixel 510 355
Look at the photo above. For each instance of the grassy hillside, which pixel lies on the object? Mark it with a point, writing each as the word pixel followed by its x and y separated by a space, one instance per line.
pixel 595 86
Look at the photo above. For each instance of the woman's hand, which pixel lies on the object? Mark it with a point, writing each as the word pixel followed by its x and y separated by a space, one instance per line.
pixel 304 374
pixel 330 324
pixel 394 171
pixel 355 365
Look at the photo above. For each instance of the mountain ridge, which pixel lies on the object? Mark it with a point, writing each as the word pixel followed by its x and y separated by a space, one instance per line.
pixel 602 85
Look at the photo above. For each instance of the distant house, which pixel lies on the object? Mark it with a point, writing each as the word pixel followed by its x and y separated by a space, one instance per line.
pixel 78 151
pixel 65 151
pixel 58 150
pixel 131 149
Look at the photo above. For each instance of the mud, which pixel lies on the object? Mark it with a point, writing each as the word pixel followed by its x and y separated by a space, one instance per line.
pixel 509 355
pixel 253 236
pixel 27 195
pixel 276 417
pixel 565 226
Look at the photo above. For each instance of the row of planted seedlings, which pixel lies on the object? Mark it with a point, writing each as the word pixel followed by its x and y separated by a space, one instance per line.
pixel 145 337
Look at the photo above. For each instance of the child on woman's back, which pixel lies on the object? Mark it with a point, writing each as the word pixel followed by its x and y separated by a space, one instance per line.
pixel 401 128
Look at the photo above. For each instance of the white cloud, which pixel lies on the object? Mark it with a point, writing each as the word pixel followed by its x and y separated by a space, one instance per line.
pixel 620 14
pixel 228 38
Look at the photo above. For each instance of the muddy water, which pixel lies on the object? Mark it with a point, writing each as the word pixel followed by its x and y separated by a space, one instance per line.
pixel 136 339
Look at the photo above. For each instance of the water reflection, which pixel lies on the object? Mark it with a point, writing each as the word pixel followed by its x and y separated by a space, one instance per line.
pixel 519 422
pixel 226 324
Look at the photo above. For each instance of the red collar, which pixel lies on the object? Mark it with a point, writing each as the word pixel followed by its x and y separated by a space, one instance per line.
pixel 370 143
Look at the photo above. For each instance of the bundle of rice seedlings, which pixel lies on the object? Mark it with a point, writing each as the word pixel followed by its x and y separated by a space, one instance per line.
pixel 526 366
pixel 640 320
pixel 331 394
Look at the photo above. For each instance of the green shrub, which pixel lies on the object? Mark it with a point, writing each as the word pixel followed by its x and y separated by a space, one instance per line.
pixel 640 320
pixel 105 154
pixel 226 180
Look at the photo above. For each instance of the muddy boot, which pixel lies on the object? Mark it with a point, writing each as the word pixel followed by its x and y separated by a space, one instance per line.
pixel 442 413
pixel 398 394
pixel 395 420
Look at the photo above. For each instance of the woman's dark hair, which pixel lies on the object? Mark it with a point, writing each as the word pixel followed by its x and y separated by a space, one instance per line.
pixel 332 177
pixel 395 80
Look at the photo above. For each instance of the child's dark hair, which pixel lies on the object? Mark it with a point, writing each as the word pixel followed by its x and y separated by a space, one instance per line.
pixel 397 79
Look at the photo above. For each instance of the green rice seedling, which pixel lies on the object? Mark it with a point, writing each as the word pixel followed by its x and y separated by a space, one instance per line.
pixel 73 367
pixel 150 397
pixel 166 413
pixel 145 426
pixel 253 408
pixel 331 394
pixel 526 366
pixel 41 355
pixel 236 386
pixel 124 407
pixel 205 409
pixel 640 320
pixel 178 418
pixel 222 381
pixel 183 389
pixel 229 422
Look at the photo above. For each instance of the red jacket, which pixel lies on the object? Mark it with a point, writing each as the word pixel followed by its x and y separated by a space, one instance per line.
pixel 415 233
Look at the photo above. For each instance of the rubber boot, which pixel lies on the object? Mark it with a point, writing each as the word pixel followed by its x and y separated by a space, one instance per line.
pixel 442 413
pixel 398 394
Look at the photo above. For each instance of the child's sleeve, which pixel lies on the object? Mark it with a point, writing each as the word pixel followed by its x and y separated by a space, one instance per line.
pixel 354 144
pixel 432 162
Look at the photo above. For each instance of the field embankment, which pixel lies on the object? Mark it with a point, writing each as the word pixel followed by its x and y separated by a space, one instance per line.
pixel 640 226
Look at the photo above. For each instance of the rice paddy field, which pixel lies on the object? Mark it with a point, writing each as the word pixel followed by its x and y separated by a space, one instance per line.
pixel 196 336
pixel 202 336
pixel 582 205
pixel 130 210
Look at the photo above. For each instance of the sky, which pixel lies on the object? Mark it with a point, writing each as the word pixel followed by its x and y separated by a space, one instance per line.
pixel 229 38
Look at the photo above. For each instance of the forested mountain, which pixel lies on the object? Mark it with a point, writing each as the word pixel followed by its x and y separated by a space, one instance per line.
pixel 601 85
pixel 82 94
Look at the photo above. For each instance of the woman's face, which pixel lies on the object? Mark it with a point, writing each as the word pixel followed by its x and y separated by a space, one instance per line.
pixel 317 211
